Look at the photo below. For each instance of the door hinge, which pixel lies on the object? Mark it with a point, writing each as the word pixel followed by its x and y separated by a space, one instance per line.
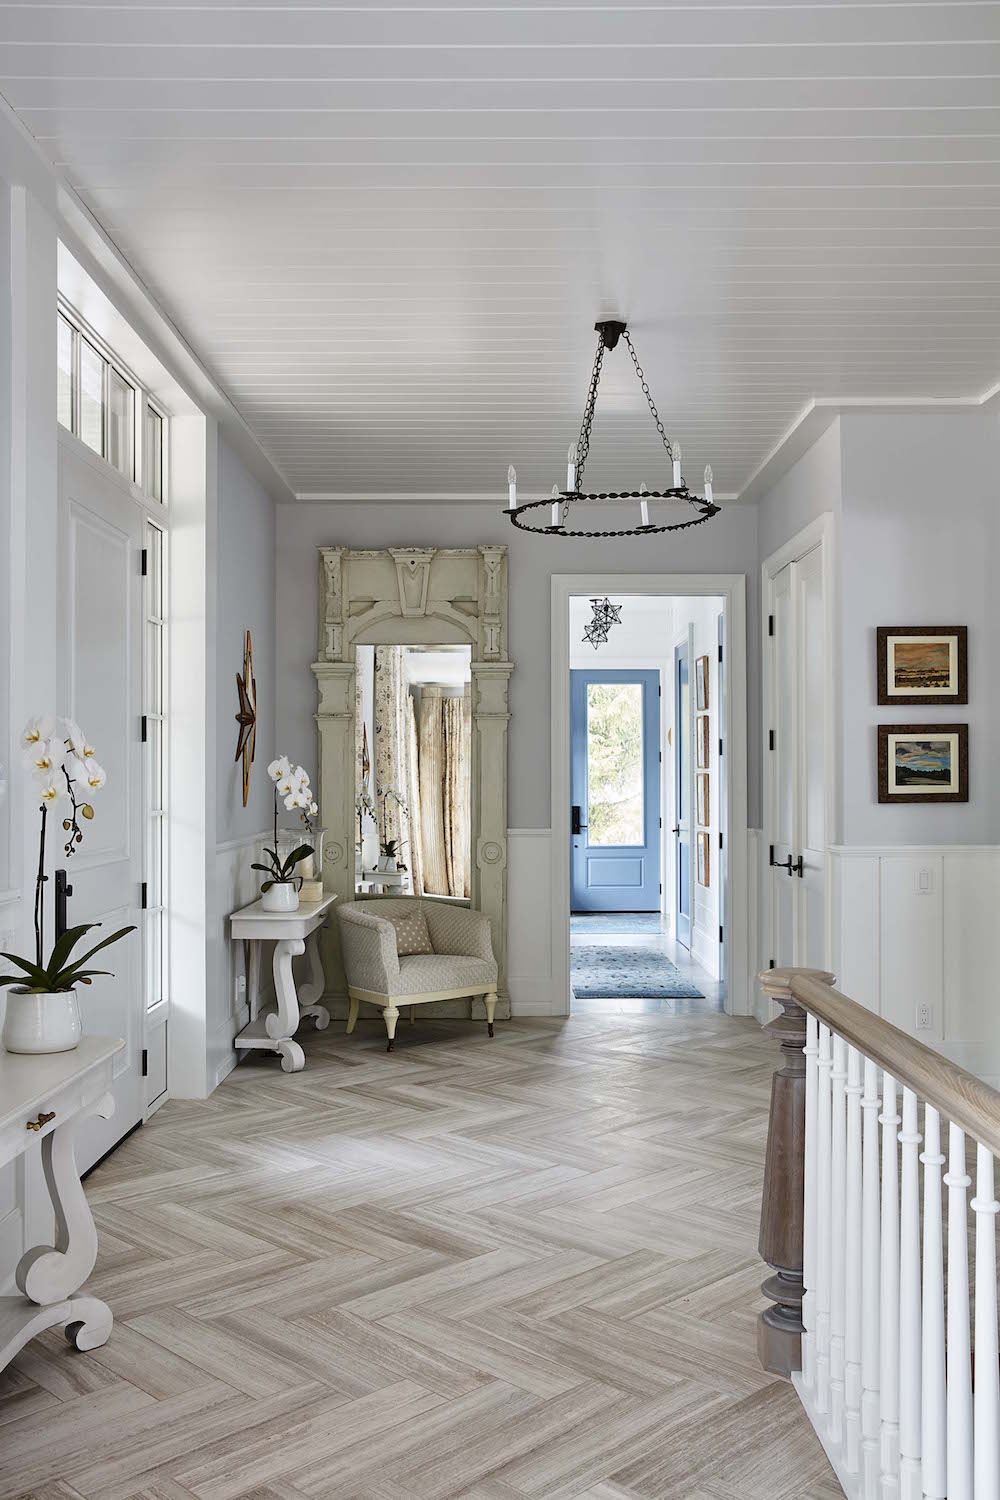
pixel 660 753
pixel 720 747
pixel 142 728
pixel 770 963
pixel 770 854
pixel 659 690
pixel 720 838
pixel 770 624
pixel 720 651
pixel 770 739
pixel 144 561
pixel 720 932
pixel 661 887
pixel 145 1062
pixel 143 896
pixel 661 822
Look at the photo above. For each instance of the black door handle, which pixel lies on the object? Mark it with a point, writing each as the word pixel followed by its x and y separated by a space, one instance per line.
pixel 676 829
pixel 786 864
pixel 577 826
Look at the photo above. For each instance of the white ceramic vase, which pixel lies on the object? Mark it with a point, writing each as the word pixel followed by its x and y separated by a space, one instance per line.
pixel 42 1023
pixel 283 896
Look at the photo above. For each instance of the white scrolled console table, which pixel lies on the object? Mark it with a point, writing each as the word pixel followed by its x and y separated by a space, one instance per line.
pixel 292 933
pixel 42 1098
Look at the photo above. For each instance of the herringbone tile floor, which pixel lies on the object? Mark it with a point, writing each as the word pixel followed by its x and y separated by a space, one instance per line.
pixel 508 1269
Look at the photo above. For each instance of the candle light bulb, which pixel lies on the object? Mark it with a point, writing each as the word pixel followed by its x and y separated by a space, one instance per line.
pixel 511 488
pixel 571 467
pixel 556 502
pixel 675 448
pixel 708 483
pixel 643 504
pixel 642 488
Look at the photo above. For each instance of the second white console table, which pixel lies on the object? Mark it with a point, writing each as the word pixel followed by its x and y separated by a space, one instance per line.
pixel 292 933
pixel 42 1098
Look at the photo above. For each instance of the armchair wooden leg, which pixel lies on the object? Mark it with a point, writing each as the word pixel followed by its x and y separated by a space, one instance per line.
pixel 390 1015
pixel 352 1015
pixel 490 1001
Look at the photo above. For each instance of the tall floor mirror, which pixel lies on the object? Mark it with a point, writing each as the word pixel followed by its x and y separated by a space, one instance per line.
pixel 412 678
pixel 413 770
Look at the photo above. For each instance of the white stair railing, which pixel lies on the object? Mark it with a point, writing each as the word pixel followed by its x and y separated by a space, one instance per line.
pixel 902 1390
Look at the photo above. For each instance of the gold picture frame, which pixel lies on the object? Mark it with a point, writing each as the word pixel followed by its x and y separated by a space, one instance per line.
pixel 702 741
pixel 702 794
pixel 704 860
pixel 701 683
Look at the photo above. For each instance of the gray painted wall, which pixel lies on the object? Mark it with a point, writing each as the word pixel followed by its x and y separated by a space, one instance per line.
pixel 810 487
pixel 919 547
pixel 245 572
pixel 915 500
pixel 726 545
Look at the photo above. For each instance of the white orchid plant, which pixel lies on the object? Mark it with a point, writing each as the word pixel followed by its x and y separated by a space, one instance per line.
pixel 64 766
pixel 386 794
pixel 291 784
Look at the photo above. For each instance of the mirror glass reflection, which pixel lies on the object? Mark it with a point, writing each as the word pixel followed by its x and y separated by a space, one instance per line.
pixel 413 770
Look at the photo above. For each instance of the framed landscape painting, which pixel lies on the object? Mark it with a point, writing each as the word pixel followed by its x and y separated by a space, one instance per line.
pixel 923 762
pixel 923 664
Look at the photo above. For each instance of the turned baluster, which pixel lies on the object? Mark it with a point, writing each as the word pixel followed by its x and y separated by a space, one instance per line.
pixel 933 1399
pixel 889 1293
pixel 823 1167
pixel 959 1346
pixel 809 1213
pixel 838 1246
pixel 986 1384
pixel 910 1487
pixel 779 1329
pixel 853 1266
pixel 870 1287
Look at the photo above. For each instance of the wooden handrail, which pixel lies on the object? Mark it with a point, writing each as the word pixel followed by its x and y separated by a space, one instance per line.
pixel 958 1096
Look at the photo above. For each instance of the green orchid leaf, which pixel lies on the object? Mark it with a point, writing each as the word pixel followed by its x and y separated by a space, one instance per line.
pixel 265 869
pixel 63 946
pixel 296 856
pixel 32 970
pixel 68 975
pixel 266 885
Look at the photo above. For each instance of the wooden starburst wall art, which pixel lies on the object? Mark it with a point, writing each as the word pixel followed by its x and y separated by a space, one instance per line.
pixel 246 717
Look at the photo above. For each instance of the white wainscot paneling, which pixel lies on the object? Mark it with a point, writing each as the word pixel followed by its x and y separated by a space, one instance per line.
pixel 234 885
pixel 913 937
pixel 529 924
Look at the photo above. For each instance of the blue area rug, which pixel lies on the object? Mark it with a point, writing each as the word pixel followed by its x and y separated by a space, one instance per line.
pixel 614 921
pixel 627 973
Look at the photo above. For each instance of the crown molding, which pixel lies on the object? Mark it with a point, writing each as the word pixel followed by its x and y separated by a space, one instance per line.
pixel 821 413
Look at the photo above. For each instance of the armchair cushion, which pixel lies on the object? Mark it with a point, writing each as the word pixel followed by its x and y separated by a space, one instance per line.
pixel 411 931
pixel 422 975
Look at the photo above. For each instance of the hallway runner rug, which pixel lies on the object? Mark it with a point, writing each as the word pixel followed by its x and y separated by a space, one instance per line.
pixel 627 974
pixel 616 921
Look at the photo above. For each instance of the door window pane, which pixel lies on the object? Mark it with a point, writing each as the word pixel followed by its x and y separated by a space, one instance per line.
pixel 614 763
pixel 120 398
pixel 91 397
pixel 154 454
pixel 64 379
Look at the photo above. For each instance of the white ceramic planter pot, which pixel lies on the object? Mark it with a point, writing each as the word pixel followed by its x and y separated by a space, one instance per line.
pixel 283 896
pixel 41 1023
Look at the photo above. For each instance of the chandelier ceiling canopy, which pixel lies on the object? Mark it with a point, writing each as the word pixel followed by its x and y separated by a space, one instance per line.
pixel 531 515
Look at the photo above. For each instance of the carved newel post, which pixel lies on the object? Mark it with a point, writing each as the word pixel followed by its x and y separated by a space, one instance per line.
pixel 782 1212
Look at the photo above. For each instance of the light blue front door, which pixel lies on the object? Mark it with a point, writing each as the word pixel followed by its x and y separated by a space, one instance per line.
pixel 615 791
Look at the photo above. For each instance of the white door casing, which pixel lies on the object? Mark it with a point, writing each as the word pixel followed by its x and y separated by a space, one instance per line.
pixel 799 745
pixel 99 677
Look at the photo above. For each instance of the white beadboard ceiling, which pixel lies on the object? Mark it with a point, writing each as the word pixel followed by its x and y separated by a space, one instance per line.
pixel 388 229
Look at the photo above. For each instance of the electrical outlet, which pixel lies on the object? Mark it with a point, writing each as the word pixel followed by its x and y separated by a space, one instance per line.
pixel 925 1018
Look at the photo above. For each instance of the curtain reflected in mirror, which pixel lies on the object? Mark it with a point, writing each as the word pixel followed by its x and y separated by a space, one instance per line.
pixel 413 770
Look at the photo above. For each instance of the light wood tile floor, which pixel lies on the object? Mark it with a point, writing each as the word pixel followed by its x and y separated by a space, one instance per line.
pixel 508 1269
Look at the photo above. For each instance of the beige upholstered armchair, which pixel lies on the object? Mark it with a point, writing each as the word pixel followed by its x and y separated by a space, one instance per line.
pixel 461 963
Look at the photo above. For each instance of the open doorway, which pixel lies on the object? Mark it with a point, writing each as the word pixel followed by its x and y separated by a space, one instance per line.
pixel 643 788
pixel 644 766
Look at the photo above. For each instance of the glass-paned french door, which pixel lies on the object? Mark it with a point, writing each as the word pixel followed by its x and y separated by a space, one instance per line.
pixel 154 728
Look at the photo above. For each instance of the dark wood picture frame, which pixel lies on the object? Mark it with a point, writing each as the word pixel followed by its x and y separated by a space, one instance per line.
pixel 704 860
pixel 884 634
pixel 701 741
pixel 701 683
pixel 889 793
pixel 702 802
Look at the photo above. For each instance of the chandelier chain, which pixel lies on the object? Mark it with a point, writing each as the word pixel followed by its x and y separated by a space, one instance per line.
pixel 583 441
pixel 648 394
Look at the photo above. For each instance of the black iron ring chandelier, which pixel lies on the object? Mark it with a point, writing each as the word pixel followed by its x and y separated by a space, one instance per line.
pixel 528 517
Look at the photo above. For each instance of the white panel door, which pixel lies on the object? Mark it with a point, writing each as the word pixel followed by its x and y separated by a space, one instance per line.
pixel 99 685
pixel 798 762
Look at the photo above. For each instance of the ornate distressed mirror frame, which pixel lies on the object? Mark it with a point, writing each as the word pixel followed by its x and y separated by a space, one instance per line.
pixel 415 596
